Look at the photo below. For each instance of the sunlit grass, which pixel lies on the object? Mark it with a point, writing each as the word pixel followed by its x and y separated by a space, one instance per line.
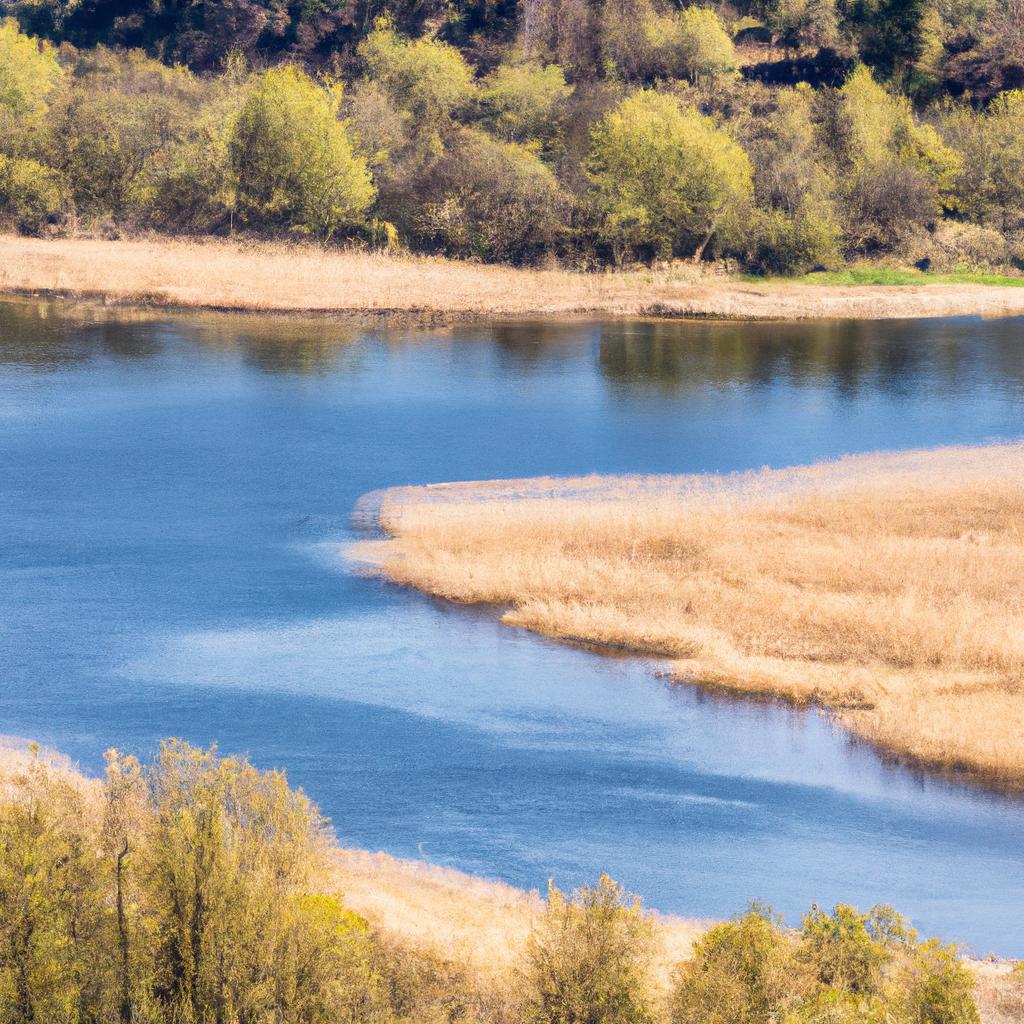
pixel 261 276
pixel 887 588
pixel 888 276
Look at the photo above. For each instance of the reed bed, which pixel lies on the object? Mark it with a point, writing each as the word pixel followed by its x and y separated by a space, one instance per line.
pixel 889 589
pixel 283 277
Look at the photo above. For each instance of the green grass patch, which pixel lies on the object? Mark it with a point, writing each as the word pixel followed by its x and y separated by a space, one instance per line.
pixel 890 276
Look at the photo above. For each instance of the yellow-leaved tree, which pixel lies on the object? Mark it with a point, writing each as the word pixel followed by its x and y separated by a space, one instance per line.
pixel 293 161
pixel 666 178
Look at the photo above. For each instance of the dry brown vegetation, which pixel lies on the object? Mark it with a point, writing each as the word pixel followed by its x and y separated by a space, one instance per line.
pixel 293 278
pixel 887 588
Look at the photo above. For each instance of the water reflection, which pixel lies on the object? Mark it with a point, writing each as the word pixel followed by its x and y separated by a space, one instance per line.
pixel 851 358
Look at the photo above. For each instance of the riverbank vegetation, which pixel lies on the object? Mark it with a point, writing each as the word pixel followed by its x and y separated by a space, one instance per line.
pixel 884 587
pixel 775 136
pixel 285 277
pixel 199 889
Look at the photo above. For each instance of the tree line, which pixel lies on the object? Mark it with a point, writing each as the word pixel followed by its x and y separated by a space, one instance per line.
pixel 196 890
pixel 594 133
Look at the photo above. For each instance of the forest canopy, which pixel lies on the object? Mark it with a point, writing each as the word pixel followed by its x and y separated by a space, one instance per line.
pixel 779 135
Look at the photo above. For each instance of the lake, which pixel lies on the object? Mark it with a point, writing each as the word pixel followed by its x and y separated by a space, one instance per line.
pixel 176 493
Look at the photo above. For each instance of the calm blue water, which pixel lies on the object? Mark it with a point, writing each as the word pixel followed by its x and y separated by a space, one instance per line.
pixel 174 494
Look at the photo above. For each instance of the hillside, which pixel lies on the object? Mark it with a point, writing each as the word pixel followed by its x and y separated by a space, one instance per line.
pixel 777 136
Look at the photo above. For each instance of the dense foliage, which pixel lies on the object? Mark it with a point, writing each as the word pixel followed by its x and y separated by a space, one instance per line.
pixel 783 135
pixel 197 889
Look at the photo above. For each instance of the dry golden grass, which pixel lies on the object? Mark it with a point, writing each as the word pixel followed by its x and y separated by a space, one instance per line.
pixel 480 922
pixel 888 588
pixel 280 277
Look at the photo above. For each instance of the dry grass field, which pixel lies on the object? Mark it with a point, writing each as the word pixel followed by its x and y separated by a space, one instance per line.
pixel 276 277
pixel 888 588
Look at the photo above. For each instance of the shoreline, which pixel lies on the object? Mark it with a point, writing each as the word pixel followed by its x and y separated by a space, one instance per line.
pixel 472 543
pixel 279 278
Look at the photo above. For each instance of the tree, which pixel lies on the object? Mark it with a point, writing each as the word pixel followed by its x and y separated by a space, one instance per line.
pixel 897 175
pixel 30 194
pixel 293 161
pixel 29 71
pixel 54 965
pixel 491 200
pixel 693 44
pixel 428 79
pixel 588 961
pixel 29 75
pixel 665 178
pixel 796 227
pixel 520 101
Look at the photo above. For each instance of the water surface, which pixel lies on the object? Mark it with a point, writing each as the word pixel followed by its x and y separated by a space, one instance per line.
pixel 173 494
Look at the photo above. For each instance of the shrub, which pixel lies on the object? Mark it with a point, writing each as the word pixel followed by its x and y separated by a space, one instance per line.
pixel 665 178
pixel 493 201
pixel 842 950
pixel 934 987
pixel 123 109
pixel 743 972
pixel 781 242
pixel 588 961
pixel 691 43
pixel 520 100
pixel 292 159
pixel 31 195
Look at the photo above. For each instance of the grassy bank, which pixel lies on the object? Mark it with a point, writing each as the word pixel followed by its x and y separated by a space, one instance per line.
pixel 198 883
pixel 269 277
pixel 886 588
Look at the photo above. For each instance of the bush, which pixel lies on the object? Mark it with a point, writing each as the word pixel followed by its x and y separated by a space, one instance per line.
pixel 292 159
pixel 794 243
pixel 31 195
pixel 493 201
pixel 29 71
pixel 692 44
pixel 520 100
pixel 589 959
pixel 843 967
pixel 743 972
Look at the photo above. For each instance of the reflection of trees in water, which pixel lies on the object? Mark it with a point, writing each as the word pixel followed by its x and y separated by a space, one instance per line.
pixel 43 336
pixel 849 356
pixel 48 335
pixel 526 344
pixel 277 344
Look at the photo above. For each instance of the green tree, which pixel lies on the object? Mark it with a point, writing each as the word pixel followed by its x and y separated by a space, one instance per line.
pixel 493 201
pixel 29 77
pixel 666 178
pixel 29 71
pixel 742 972
pixel 30 194
pixel 520 101
pixel 293 161
pixel 588 960
pixel 427 78
pixel 935 987
pixel 54 923
pixel 692 43
pixel 796 227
